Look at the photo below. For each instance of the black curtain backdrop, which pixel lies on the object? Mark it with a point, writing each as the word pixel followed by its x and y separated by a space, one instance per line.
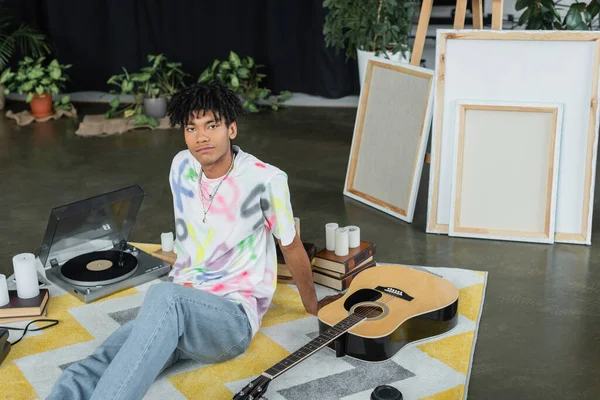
pixel 100 36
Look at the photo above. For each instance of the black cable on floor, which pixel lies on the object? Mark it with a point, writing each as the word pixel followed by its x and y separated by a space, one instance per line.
pixel 53 322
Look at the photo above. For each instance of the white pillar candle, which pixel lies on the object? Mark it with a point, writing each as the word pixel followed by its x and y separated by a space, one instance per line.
pixel 297 225
pixel 26 275
pixel 353 236
pixel 341 242
pixel 4 298
pixel 166 241
pixel 330 235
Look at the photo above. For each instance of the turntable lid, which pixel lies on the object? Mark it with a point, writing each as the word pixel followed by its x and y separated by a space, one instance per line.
pixel 89 225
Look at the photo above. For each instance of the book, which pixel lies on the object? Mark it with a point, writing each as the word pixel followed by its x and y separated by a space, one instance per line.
pixel 310 248
pixel 284 275
pixel 17 307
pixel 338 275
pixel 283 271
pixel 340 284
pixel 327 259
pixel 25 318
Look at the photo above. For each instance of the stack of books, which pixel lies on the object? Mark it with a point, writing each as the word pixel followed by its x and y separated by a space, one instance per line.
pixel 337 272
pixel 19 309
pixel 283 272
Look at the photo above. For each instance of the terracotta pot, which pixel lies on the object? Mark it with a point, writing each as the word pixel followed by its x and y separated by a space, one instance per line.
pixel 41 107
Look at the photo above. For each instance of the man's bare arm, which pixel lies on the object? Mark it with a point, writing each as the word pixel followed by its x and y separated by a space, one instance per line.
pixel 299 264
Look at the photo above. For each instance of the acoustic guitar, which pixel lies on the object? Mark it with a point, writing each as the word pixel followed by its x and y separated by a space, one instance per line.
pixel 384 309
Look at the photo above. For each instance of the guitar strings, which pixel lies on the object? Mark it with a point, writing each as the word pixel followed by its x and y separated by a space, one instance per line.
pixel 384 300
pixel 368 310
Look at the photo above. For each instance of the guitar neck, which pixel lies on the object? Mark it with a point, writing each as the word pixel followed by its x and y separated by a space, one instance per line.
pixel 313 346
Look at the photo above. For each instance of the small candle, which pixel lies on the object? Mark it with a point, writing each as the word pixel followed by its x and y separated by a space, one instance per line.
pixel 4 298
pixel 341 242
pixel 330 235
pixel 353 236
pixel 166 240
pixel 26 275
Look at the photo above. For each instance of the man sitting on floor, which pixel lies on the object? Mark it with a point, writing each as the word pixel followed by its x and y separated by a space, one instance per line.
pixel 228 206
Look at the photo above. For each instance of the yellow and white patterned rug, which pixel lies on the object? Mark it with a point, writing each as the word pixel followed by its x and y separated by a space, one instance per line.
pixel 434 369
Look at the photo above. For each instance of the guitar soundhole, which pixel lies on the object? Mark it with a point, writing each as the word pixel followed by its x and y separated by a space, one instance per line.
pixel 369 310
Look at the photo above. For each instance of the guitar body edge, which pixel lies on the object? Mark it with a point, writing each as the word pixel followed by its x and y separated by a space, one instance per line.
pixel 380 349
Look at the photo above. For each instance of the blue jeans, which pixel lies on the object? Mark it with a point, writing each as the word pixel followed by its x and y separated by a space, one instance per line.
pixel 174 323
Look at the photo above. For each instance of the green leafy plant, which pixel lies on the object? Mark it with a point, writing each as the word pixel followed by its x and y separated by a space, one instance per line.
pixel 369 25
pixel 33 77
pixel 127 85
pixel 544 15
pixel 160 78
pixel 167 76
pixel 64 103
pixel 242 77
pixel 15 36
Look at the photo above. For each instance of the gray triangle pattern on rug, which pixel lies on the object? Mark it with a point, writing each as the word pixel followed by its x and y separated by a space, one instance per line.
pixel 121 317
pixel 124 316
pixel 363 376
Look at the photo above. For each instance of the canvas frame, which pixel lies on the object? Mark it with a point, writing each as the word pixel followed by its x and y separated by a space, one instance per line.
pixel 588 148
pixel 425 118
pixel 555 110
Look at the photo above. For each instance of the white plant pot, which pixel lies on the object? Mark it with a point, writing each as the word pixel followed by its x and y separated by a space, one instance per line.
pixel 364 57
pixel 156 108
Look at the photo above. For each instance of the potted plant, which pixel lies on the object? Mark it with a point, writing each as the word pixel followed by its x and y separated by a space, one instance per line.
pixel 134 109
pixel 545 15
pixel 158 82
pixel 152 87
pixel 242 77
pixel 22 37
pixel 39 82
pixel 369 28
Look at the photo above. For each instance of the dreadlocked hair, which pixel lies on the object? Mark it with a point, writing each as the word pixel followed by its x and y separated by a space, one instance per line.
pixel 204 97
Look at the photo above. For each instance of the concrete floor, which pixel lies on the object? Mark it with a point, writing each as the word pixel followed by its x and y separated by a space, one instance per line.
pixel 540 332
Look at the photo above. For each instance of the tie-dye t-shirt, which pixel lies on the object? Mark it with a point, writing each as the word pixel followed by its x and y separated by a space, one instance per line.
pixel 233 253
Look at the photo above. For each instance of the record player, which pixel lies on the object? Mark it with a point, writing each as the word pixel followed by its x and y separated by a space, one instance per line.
pixel 85 249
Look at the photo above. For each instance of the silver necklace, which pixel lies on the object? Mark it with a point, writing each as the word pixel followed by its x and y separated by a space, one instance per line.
pixel 212 195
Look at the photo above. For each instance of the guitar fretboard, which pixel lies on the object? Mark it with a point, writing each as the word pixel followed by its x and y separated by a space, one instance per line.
pixel 314 345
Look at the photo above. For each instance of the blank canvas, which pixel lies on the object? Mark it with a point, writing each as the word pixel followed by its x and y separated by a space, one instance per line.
pixel 390 137
pixel 527 66
pixel 505 171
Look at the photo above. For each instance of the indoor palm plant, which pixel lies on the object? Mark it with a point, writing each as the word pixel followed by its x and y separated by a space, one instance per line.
pixel 242 77
pixel 17 36
pixel 39 82
pixel 368 28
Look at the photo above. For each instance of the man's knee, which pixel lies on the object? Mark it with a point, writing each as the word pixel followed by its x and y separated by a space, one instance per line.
pixel 161 293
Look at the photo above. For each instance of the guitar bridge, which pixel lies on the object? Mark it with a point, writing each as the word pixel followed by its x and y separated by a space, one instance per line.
pixel 401 294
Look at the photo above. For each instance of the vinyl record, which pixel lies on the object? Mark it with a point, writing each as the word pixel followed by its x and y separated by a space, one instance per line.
pixel 98 268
